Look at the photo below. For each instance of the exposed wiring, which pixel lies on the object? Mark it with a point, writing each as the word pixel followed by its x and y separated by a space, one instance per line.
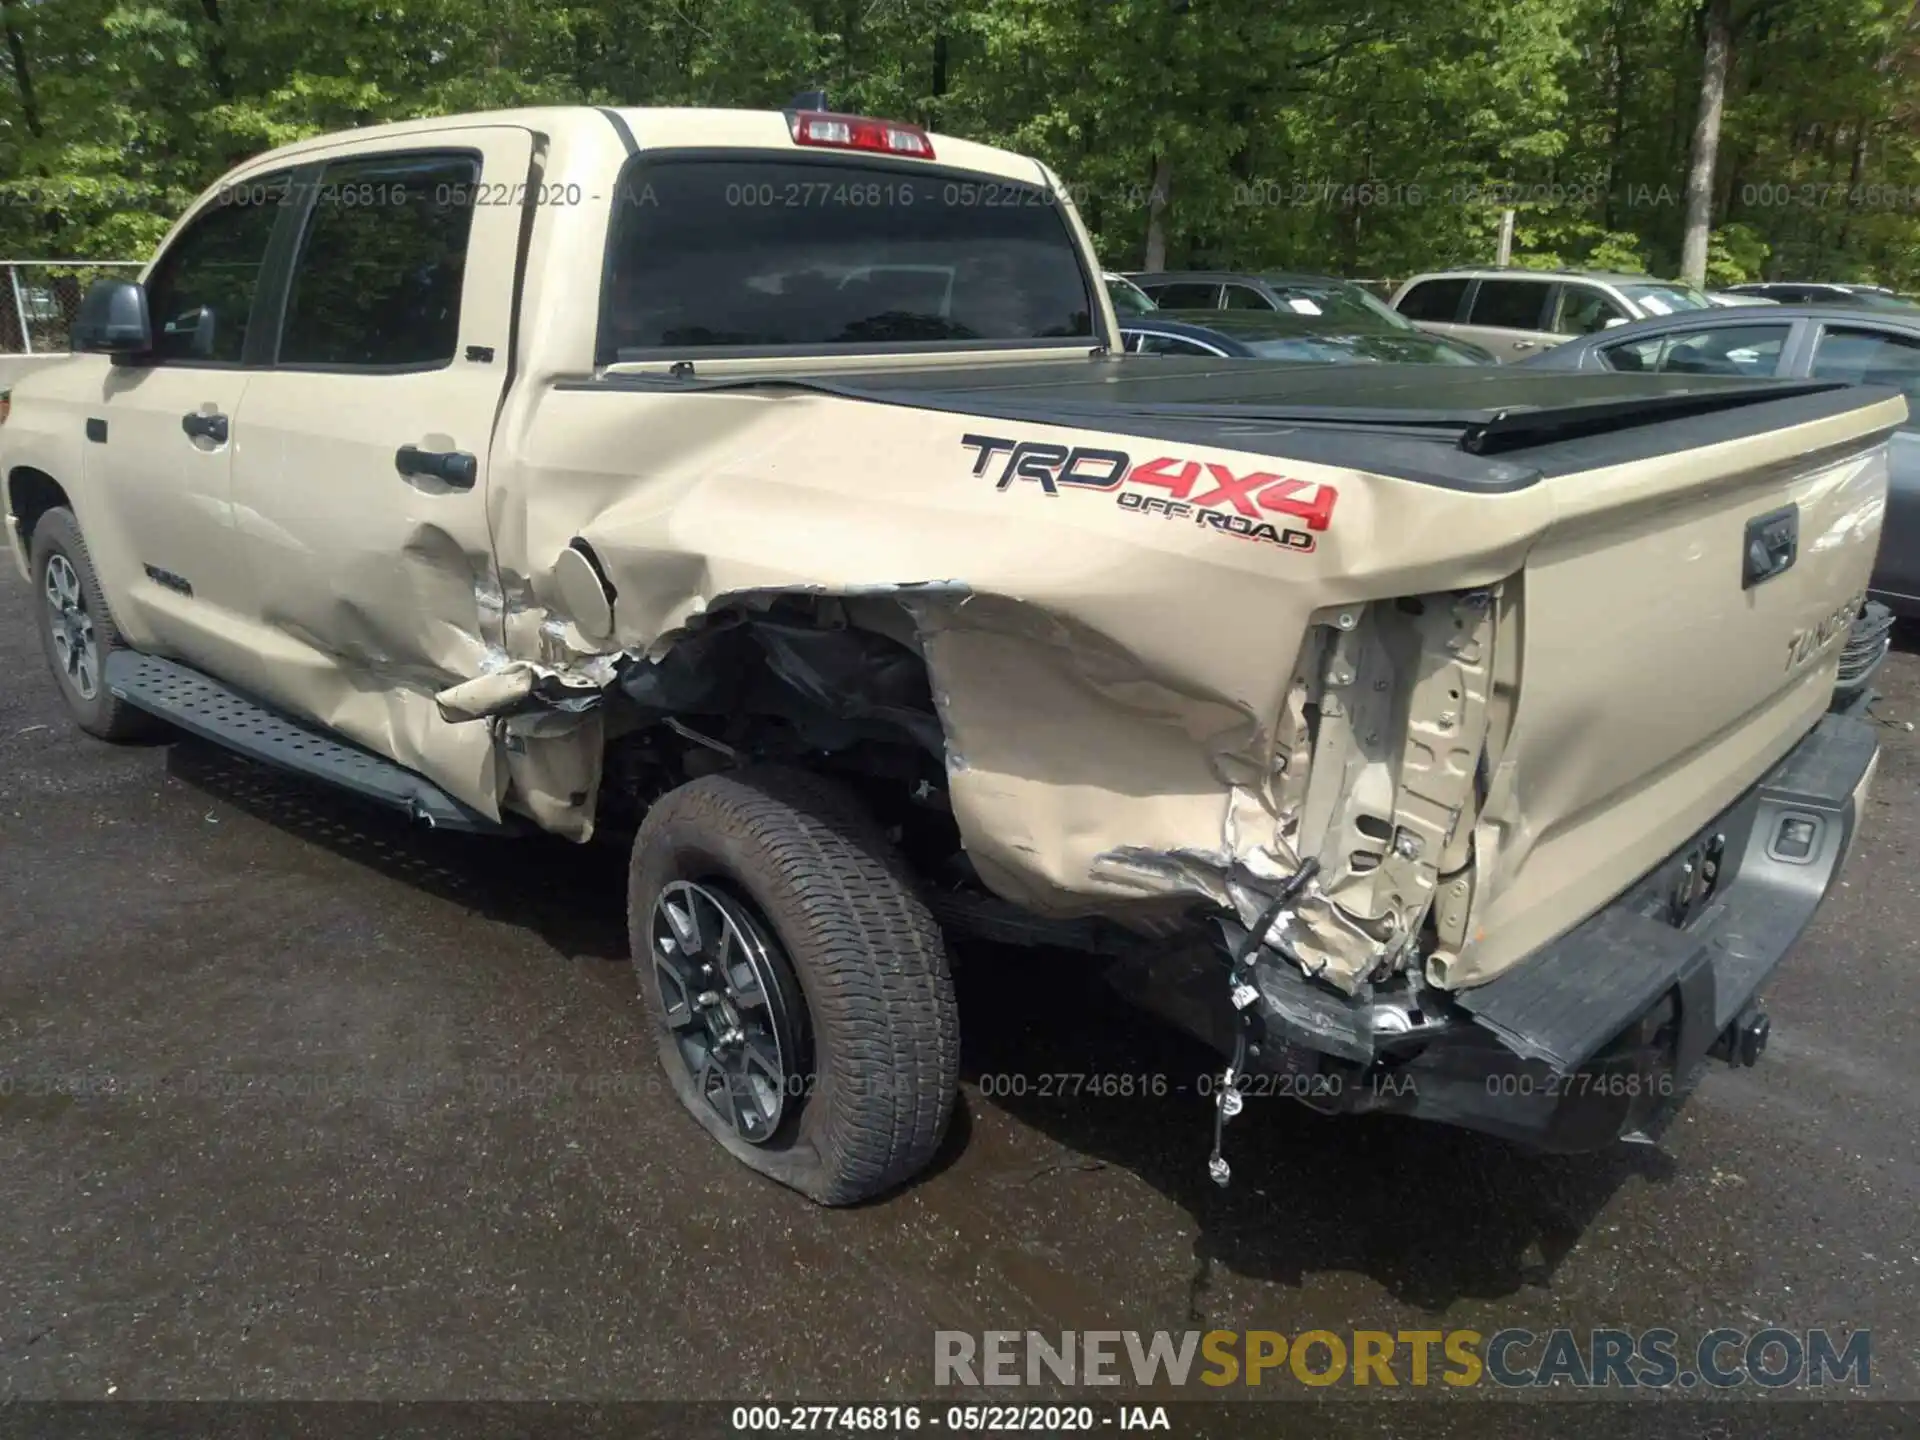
pixel 1243 993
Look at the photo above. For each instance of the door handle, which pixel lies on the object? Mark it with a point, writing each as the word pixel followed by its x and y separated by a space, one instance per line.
pixel 456 468
pixel 1526 344
pixel 205 427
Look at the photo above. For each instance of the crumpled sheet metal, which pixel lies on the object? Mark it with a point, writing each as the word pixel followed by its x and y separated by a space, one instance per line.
pixel 328 636
pixel 1059 741
pixel 523 687
pixel 1117 692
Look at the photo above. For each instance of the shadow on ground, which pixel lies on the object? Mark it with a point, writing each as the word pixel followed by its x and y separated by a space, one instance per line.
pixel 572 896
pixel 1430 1214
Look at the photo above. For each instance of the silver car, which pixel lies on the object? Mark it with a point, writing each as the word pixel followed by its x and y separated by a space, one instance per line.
pixel 1516 313
pixel 1799 342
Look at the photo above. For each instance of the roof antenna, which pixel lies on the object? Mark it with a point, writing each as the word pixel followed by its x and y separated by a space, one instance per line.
pixel 809 100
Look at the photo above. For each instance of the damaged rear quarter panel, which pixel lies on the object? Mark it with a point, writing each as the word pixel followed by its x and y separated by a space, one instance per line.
pixel 1109 679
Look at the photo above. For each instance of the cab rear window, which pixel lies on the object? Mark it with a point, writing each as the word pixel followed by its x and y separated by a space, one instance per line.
pixel 754 254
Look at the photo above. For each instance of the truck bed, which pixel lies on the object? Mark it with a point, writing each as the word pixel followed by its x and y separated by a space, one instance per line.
pixel 1458 427
pixel 1486 647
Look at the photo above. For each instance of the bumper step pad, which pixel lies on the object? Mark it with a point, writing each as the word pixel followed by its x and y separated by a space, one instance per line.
pixel 1599 978
pixel 202 706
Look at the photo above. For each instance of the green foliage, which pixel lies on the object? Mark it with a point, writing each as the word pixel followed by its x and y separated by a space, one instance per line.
pixel 1367 137
pixel 1736 253
pixel 1617 250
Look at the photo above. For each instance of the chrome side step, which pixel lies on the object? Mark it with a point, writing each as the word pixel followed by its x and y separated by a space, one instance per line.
pixel 202 706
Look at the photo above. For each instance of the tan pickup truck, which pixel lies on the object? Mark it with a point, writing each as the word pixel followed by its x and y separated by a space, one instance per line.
pixel 1454 742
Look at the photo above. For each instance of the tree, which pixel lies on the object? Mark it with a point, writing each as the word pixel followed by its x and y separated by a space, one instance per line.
pixel 1717 18
pixel 10 11
pixel 1718 137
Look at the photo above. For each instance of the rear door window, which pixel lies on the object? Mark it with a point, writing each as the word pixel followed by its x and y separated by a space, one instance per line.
pixel 1871 357
pixel 754 254
pixel 1245 297
pixel 1753 351
pixel 1172 345
pixel 1433 300
pixel 1187 295
pixel 1635 357
pixel 1509 304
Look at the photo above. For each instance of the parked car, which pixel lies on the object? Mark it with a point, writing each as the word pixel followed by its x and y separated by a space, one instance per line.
pixel 1127 297
pixel 1796 292
pixel 1517 312
pixel 1310 296
pixel 1727 297
pixel 1818 342
pixel 1411 732
pixel 1243 335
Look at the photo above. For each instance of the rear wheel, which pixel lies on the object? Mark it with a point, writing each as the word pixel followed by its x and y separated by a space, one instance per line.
pixel 798 987
pixel 77 632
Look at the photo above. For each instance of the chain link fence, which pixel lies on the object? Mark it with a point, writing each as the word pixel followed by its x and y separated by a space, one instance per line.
pixel 39 298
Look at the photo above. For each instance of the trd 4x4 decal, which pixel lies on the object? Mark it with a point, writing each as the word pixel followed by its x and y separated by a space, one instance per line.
pixel 1256 506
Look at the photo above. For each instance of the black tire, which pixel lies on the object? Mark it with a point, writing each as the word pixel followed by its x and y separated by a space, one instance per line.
pixel 881 1026
pixel 57 538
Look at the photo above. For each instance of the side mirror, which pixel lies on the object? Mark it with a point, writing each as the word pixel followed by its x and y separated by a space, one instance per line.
pixel 198 325
pixel 113 320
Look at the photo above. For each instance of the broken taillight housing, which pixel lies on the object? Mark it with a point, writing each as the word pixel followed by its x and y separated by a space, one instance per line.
pixel 858 132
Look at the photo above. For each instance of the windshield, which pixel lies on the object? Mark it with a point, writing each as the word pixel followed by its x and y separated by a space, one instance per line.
pixel 1881 300
pixel 1362 350
pixel 1128 298
pixel 1337 302
pixel 756 253
pixel 1668 297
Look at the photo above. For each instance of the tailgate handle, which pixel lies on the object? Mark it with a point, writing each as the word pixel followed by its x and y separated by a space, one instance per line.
pixel 1772 545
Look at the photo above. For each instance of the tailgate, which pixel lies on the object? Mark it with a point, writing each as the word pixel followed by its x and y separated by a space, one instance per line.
pixel 1681 621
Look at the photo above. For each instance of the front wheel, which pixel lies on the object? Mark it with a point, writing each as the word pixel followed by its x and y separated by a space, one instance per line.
pixel 77 633
pixel 798 987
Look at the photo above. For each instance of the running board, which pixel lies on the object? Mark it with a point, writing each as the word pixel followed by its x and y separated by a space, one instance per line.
pixel 202 706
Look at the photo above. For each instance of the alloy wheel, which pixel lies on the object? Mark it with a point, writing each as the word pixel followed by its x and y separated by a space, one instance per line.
pixel 732 1005
pixel 76 652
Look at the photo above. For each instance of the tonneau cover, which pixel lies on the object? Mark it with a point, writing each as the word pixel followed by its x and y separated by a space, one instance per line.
pixel 1488 428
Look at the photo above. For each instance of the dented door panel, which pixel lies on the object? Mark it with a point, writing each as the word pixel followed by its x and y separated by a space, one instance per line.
pixel 369 577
